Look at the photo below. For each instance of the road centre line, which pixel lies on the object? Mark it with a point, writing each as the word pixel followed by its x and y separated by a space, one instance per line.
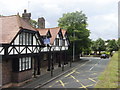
pixel 74 70
pixel 94 65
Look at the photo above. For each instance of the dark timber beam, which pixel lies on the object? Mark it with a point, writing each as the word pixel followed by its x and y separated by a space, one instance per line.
pixel 52 66
pixel 35 69
pixel 66 57
pixel 59 60
pixel 49 59
pixel 38 62
pixel 62 60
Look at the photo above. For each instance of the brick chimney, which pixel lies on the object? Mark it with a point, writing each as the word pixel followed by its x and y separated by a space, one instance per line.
pixel 41 23
pixel 26 16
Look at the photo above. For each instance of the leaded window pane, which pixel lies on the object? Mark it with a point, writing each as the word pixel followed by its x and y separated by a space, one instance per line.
pixel 29 62
pixel 20 65
pixel 23 38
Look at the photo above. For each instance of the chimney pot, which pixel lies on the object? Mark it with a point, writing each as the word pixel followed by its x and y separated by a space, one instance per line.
pixel 25 11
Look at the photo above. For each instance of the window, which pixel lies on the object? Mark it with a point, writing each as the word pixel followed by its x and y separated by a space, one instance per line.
pixel 63 43
pixel 25 39
pixel 30 39
pixel 25 63
pixel 20 39
pixel 57 41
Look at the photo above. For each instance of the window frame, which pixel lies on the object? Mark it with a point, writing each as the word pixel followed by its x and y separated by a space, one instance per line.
pixel 57 42
pixel 25 64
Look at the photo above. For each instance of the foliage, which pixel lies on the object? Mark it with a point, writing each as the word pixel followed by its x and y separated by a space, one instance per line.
pixel 112 46
pixel 118 42
pixel 105 52
pixel 75 23
pixel 94 47
pixel 34 23
pixel 98 45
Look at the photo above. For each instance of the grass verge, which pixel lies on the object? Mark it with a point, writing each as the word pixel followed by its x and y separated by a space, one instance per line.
pixel 110 77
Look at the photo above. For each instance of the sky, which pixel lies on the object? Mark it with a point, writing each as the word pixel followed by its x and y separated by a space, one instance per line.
pixel 102 14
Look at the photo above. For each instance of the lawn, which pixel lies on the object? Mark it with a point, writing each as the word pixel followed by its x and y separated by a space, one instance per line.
pixel 109 78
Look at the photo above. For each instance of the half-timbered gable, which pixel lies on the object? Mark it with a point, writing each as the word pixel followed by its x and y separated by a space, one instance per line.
pixel 20 43
pixel 19 36
pixel 25 42
pixel 65 42
pixel 56 39
pixel 46 35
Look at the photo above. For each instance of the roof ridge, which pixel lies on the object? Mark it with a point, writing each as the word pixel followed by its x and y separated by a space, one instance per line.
pixel 8 16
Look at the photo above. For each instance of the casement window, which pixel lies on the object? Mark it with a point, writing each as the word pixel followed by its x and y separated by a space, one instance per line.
pixel 57 41
pixel 30 39
pixel 20 39
pixel 60 42
pixel 25 63
pixel 25 38
pixel 63 42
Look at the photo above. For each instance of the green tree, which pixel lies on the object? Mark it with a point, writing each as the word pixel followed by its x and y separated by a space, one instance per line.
pixel 112 46
pixel 34 23
pixel 100 45
pixel 76 23
pixel 94 47
pixel 118 42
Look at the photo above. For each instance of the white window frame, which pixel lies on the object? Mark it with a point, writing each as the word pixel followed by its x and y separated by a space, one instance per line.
pixel 25 63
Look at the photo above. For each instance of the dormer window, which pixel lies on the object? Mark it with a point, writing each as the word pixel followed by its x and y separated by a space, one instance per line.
pixel 57 41
pixel 63 42
pixel 25 38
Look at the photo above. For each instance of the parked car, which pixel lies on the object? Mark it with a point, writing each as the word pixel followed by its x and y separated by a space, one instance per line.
pixel 104 56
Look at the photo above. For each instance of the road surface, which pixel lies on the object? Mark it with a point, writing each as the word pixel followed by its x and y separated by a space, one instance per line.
pixel 82 76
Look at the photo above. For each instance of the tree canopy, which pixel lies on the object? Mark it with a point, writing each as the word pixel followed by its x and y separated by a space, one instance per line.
pixel 34 23
pixel 112 45
pixel 118 42
pixel 75 23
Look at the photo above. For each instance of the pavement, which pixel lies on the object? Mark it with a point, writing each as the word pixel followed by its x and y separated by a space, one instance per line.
pixel 47 78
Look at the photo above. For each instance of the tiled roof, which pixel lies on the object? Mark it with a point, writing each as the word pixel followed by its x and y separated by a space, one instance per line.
pixel 54 32
pixel 64 31
pixel 43 32
pixel 10 26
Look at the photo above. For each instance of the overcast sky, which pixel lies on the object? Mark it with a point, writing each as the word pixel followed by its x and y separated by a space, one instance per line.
pixel 102 14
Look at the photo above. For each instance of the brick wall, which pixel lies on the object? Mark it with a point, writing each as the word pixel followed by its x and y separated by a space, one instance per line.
pixel 6 71
pixel 8 76
pixel 21 76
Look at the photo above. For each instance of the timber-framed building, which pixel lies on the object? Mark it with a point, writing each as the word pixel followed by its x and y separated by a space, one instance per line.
pixel 24 48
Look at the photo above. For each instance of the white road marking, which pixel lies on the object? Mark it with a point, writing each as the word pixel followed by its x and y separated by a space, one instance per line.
pixel 94 65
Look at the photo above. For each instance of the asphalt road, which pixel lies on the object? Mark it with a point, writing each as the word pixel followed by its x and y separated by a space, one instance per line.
pixel 83 76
